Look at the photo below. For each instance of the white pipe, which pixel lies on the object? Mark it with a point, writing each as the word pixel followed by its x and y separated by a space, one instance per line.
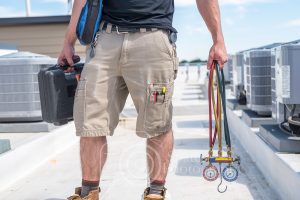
pixel 28 8
pixel 70 6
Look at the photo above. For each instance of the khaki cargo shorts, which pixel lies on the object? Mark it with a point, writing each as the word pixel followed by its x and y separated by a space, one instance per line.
pixel 142 64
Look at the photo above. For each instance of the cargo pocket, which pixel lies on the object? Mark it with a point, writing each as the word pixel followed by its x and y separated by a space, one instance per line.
pixel 157 108
pixel 79 104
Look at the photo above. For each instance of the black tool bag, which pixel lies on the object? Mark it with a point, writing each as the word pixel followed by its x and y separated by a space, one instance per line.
pixel 57 90
pixel 89 21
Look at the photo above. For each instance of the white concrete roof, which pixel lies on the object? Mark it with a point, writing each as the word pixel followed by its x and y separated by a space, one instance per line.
pixel 124 176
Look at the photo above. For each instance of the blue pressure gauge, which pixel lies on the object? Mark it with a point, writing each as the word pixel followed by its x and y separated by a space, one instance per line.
pixel 230 173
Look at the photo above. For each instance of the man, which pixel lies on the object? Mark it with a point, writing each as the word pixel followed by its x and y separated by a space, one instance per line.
pixel 135 54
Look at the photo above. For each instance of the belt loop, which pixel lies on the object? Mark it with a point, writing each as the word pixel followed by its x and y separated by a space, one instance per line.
pixel 154 29
pixel 108 28
pixel 101 26
pixel 143 30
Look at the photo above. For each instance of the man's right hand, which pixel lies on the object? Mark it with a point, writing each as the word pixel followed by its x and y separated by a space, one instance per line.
pixel 67 54
pixel 70 37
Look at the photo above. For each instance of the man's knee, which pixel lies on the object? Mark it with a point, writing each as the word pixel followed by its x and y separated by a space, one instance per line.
pixel 92 140
pixel 161 139
pixel 162 135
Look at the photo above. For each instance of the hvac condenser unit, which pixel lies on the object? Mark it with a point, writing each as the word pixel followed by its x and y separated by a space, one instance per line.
pixel 258 80
pixel 286 80
pixel 228 70
pixel 237 73
pixel 19 90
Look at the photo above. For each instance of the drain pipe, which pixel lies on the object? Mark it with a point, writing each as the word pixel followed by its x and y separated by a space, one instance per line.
pixel 28 8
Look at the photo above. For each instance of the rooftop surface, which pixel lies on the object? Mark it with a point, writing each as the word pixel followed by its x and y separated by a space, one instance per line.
pixel 124 176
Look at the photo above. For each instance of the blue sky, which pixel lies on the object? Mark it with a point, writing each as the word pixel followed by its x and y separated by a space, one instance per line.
pixel 246 23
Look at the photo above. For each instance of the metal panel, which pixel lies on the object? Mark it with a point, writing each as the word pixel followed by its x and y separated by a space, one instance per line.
pixel 19 91
pixel 237 73
pixel 285 81
pixel 42 38
pixel 287 74
pixel 258 80
pixel 228 69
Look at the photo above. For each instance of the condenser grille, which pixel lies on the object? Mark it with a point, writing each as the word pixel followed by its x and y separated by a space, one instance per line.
pixel 261 81
pixel 261 101
pixel 19 89
pixel 262 91
pixel 260 61
pixel 258 80
pixel 260 71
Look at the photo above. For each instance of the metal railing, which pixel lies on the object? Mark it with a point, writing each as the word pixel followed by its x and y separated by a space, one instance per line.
pixel 28 7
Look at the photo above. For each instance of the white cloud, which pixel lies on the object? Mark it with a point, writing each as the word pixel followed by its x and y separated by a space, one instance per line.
pixel 185 2
pixel 222 2
pixel 242 2
pixel 240 11
pixel 239 5
pixel 293 23
pixel 10 12
pixel 56 1
pixel 229 21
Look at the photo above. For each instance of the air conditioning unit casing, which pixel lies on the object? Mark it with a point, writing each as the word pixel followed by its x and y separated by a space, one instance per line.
pixel 237 73
pixel 285 79
pixel 257 80
pixel 19 89
pixel 228 70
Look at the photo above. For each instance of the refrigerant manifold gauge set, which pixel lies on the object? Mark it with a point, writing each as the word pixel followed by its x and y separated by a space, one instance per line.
pixel 217 107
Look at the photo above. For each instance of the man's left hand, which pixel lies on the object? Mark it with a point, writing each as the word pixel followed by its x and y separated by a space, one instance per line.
pixel 217 52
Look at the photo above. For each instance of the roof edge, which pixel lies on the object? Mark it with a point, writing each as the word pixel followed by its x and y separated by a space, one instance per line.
pixel 61 19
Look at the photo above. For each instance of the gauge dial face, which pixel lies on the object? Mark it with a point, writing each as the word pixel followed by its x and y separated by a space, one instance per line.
pixel 230 173
pixel 210 173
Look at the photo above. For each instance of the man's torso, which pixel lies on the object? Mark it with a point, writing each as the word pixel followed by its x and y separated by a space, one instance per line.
pixel 139 13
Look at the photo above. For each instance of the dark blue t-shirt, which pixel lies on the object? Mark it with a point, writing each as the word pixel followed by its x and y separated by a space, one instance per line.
pixel 139 13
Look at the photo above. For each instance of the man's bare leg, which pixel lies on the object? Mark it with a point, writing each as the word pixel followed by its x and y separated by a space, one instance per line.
pixel 93 154
pixel 159 151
